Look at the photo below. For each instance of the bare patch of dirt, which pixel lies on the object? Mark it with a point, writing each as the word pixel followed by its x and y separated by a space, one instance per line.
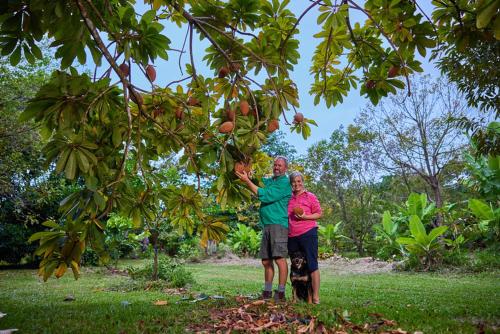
pixel 336 264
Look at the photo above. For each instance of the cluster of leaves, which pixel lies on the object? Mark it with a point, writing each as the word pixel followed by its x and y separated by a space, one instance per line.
pixel 469 32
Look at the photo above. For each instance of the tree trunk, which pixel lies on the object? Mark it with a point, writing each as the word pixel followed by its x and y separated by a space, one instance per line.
pixel 436 189
pixel 154 239
pixel 155 262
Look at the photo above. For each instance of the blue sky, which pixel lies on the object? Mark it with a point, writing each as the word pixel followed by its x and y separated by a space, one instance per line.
pixel 328 119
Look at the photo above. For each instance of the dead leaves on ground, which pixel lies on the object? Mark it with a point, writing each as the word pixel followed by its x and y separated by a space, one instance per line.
pixel 259 315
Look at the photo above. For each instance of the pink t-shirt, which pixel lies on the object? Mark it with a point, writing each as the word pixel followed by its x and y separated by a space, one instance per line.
pixel 310 204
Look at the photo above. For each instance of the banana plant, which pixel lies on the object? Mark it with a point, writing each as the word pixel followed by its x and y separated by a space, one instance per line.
pixel 418 205
pixel 423 246
pixel 387 233
pixel 488 218
pixel 330 235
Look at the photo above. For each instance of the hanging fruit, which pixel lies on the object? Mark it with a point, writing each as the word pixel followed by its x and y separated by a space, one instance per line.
pixel 244 107
pixel 273 125
pixel 151 73
pixel 226 127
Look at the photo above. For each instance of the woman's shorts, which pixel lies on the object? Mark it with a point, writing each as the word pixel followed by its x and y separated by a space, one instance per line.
pixel 307 243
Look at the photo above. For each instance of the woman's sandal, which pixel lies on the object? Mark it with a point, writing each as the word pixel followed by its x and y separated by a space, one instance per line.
pixel 316 301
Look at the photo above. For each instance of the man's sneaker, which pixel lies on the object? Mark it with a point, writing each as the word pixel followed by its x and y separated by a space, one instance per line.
pixel 266 295
pixel 279 296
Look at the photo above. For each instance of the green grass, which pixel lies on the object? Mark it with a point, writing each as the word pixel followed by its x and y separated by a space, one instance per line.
pixel 432 303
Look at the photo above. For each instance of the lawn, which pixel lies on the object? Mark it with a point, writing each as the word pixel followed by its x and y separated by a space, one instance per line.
pixel 431 303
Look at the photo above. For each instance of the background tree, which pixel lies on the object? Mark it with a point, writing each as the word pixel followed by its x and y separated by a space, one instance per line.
pixel 342 175
pixel 28 193
pixel 415 135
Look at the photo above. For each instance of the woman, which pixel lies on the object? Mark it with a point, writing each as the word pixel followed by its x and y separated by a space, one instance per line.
pixel 303 228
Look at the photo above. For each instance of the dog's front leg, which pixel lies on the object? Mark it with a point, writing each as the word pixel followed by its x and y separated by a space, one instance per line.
pixel 309 297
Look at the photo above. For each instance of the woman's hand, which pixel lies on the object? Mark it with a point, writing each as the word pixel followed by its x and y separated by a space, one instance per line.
pixel 301 217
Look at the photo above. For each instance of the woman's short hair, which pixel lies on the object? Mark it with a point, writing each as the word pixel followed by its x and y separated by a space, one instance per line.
pixel 296 174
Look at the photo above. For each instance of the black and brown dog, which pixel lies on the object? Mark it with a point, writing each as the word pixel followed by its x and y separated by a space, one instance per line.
pixel 300 278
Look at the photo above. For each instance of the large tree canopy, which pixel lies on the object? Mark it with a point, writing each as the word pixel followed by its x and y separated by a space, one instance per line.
pixel 94 126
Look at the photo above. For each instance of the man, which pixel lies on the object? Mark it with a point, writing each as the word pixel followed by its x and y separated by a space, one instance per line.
pixel 274 197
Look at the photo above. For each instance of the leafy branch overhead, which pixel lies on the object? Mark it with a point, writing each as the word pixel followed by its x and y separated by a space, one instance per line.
pixel 106 132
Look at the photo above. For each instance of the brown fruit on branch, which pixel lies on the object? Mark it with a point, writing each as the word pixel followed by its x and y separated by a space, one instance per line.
pixel 239 167
pixel 206 136
pixel 235 67
pixel 298 211
pixel 193 101
pixel 370 84
pixel 179 112
pixel 231 115
pixel 223 72
pixel 298 118
pixel 393 71
pixel 226 127
pixel 248 167
pixel 273 125
pixel 244 108
pixel 151 73
pixel 157 112
pixel 125 69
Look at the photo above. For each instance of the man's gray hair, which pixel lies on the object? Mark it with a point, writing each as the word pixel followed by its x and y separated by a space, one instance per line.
pixel 280 157
pixel 296 174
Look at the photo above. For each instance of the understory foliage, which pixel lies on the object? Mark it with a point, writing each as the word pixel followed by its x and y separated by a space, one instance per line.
pixel 244 240
pixel 169 270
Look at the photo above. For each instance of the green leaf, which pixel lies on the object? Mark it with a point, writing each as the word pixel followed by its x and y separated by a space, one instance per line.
pixel 15 57
pixel 61 163
pixel 406 241
pixel 486 13
pixel 480 209
pixel 436 232
pixel 70 169
pixel 83 162
pixel 387 222
pixel 417 229
pixel 100 200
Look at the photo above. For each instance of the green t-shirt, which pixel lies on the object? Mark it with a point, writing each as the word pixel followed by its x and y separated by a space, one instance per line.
pixel 274 199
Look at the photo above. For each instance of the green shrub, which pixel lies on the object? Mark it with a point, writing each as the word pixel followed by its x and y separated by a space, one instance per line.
pixel 484 260
pixel 169 270
pixel 330 236
pixel 244 240
pixel 190 250
pixel 14 244
pixel 90 257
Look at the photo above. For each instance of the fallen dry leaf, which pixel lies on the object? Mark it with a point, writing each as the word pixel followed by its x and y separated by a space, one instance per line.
pixel 161 302
pixel 260 315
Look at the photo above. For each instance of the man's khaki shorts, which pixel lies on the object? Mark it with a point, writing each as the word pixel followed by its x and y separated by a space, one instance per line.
pixel 274 242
